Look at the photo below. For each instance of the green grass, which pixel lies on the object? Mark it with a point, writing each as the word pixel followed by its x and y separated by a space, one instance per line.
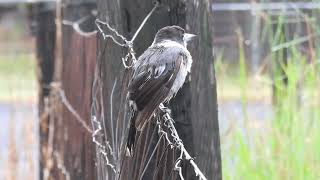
pixel 288 144
pixel 17 77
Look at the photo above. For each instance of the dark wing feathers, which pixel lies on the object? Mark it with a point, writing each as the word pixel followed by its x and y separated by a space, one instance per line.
pixel 150 89
pixel 152 100
pixel 149 85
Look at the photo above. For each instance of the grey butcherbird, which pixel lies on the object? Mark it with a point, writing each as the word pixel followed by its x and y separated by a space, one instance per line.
pixel 157 76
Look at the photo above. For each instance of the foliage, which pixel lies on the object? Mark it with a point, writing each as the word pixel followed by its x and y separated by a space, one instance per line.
pixel 286 146
pixel 17 77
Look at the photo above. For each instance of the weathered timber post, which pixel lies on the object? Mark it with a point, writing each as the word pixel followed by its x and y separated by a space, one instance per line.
pixel 194 108
pixel 42 24
pixel 66 149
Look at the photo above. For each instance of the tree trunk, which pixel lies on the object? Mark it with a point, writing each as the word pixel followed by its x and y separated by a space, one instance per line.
pixel 66 149
pixel 99 87
pixel 194 107
pixel 42 16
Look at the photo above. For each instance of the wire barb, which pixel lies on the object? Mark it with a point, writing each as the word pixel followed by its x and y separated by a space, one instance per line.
pixel 125 43
pixel 99 136
pixel 105 36
pixel 101 148
pixel 76 25
pixel 168 121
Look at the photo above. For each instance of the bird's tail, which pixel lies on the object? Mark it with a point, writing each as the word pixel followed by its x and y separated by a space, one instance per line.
pixel 132 133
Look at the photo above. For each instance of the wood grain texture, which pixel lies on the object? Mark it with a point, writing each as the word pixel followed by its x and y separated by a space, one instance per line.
pixel 71 141
pixel 194 107
pixel 203 90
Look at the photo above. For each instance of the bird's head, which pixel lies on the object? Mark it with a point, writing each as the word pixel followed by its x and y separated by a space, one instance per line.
pixel 173 33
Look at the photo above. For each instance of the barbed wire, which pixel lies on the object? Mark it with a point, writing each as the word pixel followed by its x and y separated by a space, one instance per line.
pixel 76 24
pixel 126 43
pixel 168 122
pixel 98 124
pixel 176 142
pixel 102 149
pixel 56 87
pixel 96 130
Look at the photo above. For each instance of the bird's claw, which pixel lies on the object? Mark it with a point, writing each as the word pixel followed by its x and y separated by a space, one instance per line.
pixel 164 109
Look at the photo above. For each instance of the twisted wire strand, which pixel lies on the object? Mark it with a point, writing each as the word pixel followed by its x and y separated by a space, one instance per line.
pixel 102 149
pixel 168 121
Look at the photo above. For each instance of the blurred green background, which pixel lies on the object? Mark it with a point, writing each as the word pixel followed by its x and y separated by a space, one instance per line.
pixel 18 96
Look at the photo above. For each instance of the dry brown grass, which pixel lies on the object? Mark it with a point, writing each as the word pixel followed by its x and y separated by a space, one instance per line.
pixel 13 158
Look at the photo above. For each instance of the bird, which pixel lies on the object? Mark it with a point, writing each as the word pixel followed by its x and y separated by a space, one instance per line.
pixel 157 76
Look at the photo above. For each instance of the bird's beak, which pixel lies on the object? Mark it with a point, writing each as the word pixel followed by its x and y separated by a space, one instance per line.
pixel 188 37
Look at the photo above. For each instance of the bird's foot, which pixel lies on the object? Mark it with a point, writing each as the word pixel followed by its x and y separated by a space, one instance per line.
pixel 164 109
pixel 166 114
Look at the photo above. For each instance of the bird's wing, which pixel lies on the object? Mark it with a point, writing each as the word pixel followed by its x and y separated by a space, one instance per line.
pixel 152 81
